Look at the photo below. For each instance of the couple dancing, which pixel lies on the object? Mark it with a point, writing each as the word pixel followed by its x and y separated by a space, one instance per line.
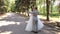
pixel 34 24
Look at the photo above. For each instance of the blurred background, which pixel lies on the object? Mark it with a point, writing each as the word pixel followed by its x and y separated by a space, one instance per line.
pixel 49 10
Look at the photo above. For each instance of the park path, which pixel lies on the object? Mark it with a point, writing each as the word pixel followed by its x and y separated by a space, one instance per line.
pixel 15 24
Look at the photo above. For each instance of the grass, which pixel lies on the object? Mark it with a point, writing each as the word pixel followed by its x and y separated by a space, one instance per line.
pixel 54 14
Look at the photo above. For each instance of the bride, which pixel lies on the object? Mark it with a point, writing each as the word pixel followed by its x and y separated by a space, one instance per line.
pixel 30 23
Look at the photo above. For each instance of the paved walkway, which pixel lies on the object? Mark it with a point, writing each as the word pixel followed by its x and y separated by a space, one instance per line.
pixel 15 24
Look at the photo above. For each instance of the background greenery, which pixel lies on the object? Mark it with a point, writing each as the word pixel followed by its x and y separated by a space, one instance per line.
pixel 23 5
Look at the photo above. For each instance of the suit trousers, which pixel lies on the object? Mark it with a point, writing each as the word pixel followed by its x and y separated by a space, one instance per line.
pixel 35 25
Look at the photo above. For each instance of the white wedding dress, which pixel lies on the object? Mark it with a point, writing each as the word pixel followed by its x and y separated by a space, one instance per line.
pixel 29 26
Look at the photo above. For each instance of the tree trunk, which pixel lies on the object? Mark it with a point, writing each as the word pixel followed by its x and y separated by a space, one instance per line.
pixel 47 9
pixel 59 8
pixel 51 8
pixel 52 2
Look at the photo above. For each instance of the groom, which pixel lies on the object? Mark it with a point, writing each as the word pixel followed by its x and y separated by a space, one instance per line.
pixel 35 19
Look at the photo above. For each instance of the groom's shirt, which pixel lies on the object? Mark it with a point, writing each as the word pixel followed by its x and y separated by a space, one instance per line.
pixel 35 13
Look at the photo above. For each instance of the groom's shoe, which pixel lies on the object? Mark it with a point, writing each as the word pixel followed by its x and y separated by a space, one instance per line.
pixel 35 31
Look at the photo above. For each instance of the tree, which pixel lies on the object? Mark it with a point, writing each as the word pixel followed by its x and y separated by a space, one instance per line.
pixel 51 5
pixel 59 7
pixel 2 6
pixel 6 2
pixel 47 9
pixel 22 4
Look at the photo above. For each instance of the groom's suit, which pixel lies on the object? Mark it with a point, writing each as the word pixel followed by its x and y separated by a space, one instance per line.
pixel 35 20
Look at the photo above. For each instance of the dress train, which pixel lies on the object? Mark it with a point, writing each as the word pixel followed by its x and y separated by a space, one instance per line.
pixel 29 26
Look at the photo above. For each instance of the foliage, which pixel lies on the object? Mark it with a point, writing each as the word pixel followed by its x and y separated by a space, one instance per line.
pixel 2 7
pixel 22 5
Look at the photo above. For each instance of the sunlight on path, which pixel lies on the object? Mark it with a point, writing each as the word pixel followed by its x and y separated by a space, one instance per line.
pixel 58 33
pixel 7 32
pixel 5 23
pixel 7 14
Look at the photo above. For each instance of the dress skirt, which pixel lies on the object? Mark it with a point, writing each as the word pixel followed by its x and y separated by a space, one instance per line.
pixel 29 26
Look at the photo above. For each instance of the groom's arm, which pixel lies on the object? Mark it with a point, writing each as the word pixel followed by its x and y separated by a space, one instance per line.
pixel 35 13
pixel 30 12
